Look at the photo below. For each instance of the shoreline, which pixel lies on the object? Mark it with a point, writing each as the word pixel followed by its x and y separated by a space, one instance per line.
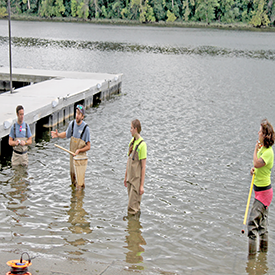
pixel 49 265
pixel 121 22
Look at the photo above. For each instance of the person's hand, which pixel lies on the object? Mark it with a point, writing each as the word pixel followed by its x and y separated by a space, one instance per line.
pixel 141 190
pixel 252 171
pixel 125 182
pixel 77 152
pixel 17 142
pixel 54 134
pixel 23 142
pixel 258 146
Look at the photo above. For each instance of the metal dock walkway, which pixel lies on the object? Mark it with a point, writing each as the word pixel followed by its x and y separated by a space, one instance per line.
pixel 51 94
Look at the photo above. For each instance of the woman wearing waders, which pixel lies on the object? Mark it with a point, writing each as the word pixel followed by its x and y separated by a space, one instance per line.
pixel 79 133
pixel 135 169
pixel 263 158
pixel 19 138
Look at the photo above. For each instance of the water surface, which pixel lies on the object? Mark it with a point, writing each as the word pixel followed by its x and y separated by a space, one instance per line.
pixel 200 96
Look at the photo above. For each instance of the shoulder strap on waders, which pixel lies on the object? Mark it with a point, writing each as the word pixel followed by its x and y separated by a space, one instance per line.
pixel 136 149
pixel 72 128
pixel 83 131
pixel 26 130
pixel 14 131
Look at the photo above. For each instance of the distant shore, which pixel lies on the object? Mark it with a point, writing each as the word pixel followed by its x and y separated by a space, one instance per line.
pixel 176 24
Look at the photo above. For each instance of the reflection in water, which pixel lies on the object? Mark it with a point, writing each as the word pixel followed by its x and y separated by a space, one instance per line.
pixel 133 48
pixel 19 186
pixel 77 214
pixel 258 265
pixel 134 241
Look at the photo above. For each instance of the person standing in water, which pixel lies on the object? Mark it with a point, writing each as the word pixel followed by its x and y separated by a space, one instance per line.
pixel 79 133
pixel 135 168
pixel 19 138
pixel 263 159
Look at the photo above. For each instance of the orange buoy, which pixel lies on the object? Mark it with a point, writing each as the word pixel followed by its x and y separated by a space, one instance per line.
pixel 19 266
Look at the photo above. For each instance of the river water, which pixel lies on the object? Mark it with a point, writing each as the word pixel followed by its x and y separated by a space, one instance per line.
pixel 200 95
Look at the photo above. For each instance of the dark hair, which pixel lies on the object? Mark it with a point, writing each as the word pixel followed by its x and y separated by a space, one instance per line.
pixel 136 124
pixel 268 133
pixel 18 108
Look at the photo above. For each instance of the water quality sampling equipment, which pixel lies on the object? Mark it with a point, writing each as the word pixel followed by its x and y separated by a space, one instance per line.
pixel 19 266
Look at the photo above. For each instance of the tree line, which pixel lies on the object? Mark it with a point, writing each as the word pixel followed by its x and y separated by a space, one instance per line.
pixel 257 13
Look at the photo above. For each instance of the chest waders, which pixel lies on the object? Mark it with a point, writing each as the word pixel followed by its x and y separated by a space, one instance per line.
pixel 20 153
pixel 133 181
pixel 76 143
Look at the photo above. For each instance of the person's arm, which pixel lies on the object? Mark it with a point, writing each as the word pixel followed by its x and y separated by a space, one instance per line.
pixel 258 162
pixel 143 168
pixel 125 179
pixel 55 134
pixel 13 142
pixel 27 142
pixel 87 147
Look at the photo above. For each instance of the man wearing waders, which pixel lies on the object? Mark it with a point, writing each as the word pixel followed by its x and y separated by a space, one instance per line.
pixel 79 133
pixel 19 138
pixel 135 169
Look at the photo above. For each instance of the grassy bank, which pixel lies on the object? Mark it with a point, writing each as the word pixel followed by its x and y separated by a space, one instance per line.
pixel 178 24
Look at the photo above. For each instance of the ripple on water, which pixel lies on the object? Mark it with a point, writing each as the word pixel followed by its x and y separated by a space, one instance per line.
pixel 200 109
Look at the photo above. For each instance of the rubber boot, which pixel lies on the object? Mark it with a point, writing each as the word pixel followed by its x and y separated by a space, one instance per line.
pixel 263 243
pixel 252 248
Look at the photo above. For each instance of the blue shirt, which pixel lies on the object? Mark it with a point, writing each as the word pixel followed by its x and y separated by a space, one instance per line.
pixel 20 131
pixel 78 131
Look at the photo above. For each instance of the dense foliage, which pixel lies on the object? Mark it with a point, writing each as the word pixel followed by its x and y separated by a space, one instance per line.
pixel 255 12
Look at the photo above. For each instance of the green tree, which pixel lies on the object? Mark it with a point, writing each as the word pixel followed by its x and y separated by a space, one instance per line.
pixel 150 17
pixel 104 12
pixel 171 16
pixel 82 10
pixel 125 13
pixel 59 8
pixel 146 13
pixel 3 12
pixel 94 8
pixel 159 9
pixel 47 8
pixel 226 12
pixel 29 6
pixel 259 15
pixel 67 5
pixel 245 8
pixel 271 11
pixel 116 9
pixel 186 9
pixel 205 10
pixel 135 7
pixel 74 8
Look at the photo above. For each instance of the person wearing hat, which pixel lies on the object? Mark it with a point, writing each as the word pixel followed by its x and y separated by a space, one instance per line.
pixel 19 138
pixel 79 133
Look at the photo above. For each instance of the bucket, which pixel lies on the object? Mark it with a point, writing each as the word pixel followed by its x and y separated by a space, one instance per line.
pixel 80 165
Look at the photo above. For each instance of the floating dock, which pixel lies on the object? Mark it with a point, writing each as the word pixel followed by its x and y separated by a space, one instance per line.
pixel 50 95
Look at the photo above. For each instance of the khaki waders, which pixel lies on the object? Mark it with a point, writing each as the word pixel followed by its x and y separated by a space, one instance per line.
pixel 133 182
pixel 75 143
pixel 20 154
